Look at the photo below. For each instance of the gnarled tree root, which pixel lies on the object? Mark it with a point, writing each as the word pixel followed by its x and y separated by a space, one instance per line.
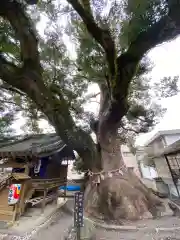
pixel 122 197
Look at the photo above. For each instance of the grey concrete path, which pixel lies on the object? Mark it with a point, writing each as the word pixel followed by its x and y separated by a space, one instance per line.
pixel 166 228
pixel 54 229
pixel 57 227
pixel 143 235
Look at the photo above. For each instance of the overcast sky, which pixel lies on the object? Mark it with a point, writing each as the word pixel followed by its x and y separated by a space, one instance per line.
pixel 167 63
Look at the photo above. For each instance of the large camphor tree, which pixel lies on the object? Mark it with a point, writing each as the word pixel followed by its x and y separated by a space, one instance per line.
pixel 111 40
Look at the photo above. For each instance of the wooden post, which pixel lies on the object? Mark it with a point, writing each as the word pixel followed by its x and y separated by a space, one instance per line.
pixel 22 198
pixel 44 201
pixel 55 201
pixel 15 208
pixel 26 169
pixel 65 191
pixel 57 195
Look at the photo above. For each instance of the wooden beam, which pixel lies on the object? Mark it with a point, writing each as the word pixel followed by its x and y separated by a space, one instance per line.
pixel 22 200
pixel 5 212
pixel 12 165
pixel 44 201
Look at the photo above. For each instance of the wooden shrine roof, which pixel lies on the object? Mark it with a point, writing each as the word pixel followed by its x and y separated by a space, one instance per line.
pixel 35 145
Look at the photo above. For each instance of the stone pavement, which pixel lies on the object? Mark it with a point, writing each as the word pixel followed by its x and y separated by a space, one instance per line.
pixel 55 228
pixel 166 228
pixel 142 235
pixel 34 222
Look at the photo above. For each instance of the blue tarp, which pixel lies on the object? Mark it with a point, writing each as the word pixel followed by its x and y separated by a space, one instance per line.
pixel 70 188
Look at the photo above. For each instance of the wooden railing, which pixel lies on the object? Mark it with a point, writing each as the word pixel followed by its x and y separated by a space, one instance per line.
pixel 41 184
pixel 5 182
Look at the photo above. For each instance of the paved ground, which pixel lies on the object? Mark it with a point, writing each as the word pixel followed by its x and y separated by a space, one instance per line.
pixel 148 231
pixel 106 235
pixel 57 227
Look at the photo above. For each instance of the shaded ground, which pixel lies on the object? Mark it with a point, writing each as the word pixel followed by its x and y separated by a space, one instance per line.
pixel 143 235
pixel 148 231
pixel 57 227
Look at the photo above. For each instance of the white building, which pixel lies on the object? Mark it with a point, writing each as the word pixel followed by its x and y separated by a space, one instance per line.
pixel 150 154
pixel 154 146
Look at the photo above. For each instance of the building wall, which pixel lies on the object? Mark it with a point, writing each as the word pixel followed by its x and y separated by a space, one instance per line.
pixel 157 145
pixel 162 168
pixel 160 164
pixel 169 139
pixel 130 160
pixel 147 171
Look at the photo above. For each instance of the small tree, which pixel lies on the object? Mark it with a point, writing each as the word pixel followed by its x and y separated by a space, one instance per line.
pixel 110 50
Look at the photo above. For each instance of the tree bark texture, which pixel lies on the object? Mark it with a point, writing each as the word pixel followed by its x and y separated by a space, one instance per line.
pixel 122 195
pixel 119 195
pixel 116 192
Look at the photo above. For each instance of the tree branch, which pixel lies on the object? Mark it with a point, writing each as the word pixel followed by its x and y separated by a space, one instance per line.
pixel 167 28
pixel 15 14
pixel 7 87
pixel 9 72
pixel 86 5
pixel 28 79
pixel 90 96
pixel 102 36
pixel 95 102
pixel 129 129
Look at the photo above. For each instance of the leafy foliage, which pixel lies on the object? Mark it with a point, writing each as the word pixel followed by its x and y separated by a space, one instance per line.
pixel 66 75
pixel 7 116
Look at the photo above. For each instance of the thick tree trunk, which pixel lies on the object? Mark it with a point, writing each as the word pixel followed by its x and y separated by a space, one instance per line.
pixel 119 194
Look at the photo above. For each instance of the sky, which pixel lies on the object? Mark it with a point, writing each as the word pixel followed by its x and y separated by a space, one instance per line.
pixel 166 59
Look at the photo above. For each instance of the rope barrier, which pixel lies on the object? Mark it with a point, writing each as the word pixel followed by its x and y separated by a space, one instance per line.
pixel 90 173
pixel 101 175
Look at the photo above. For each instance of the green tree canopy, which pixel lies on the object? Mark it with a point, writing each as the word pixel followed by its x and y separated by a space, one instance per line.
pixel 70 76
pixel 111 41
